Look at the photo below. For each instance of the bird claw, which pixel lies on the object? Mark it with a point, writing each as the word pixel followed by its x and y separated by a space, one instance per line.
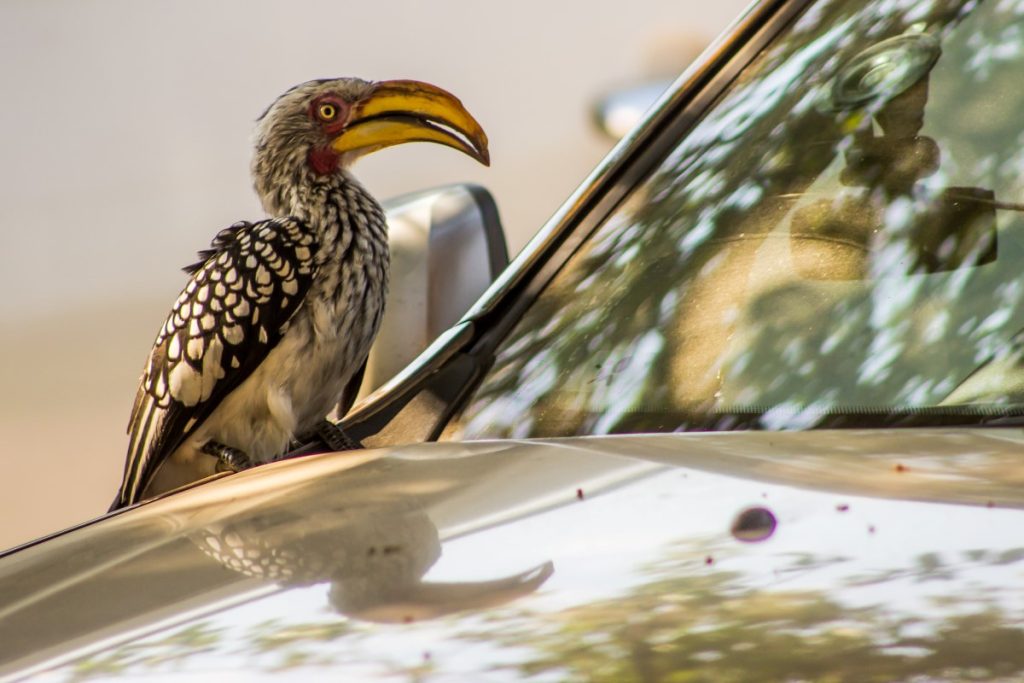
pixel 336 438
pixel 228 459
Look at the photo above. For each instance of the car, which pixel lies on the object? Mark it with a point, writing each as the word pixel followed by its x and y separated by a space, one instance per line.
pixel 748 407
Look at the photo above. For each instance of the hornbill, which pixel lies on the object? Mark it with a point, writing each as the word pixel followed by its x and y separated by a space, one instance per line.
pixel 277 318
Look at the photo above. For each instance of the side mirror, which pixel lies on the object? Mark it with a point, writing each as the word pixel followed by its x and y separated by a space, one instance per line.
pixel 620 111
pixel 447 247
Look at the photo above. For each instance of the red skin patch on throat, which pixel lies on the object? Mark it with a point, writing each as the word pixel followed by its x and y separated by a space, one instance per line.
pixel 323 160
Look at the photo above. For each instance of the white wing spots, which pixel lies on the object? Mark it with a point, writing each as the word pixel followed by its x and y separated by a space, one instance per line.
pixel 259 294
pixel 185 383
pixel 240 295
pixel 160 386
pixel 212 370
pixel 262 276
pixel 233 334
pixel 174 348
pixel 194 348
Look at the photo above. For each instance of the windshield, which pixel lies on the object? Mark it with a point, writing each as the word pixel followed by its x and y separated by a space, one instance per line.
pixel 839 242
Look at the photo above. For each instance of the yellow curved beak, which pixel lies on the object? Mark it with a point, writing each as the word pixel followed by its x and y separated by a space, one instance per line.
pixel 411 111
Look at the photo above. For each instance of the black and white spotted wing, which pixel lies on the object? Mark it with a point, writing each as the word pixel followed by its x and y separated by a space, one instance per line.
pixel 232 312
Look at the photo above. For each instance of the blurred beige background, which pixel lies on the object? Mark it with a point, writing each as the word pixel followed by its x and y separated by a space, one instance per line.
pixel 125 132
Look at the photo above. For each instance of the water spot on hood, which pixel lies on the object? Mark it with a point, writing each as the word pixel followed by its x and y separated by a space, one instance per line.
pixel 754 524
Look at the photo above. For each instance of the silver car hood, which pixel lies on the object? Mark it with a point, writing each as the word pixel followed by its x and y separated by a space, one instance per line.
pixel 845 555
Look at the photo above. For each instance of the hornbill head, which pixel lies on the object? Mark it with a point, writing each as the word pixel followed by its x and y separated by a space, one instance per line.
pixel 323 126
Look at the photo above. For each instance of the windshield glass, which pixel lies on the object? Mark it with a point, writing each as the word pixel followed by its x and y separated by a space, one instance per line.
pixel 839 242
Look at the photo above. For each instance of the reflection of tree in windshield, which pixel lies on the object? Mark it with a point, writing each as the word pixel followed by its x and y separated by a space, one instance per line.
pixel 794 259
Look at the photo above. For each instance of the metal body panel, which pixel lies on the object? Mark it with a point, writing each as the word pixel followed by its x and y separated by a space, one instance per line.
pixel 494 560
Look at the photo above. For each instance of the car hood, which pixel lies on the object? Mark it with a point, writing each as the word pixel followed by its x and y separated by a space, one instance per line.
pixel 847 555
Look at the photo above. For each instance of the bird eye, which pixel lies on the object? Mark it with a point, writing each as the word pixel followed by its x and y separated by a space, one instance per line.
pixel 327 111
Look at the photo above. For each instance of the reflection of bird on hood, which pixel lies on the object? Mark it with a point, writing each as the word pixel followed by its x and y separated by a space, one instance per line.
pixel 278 316
pixel 375 560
